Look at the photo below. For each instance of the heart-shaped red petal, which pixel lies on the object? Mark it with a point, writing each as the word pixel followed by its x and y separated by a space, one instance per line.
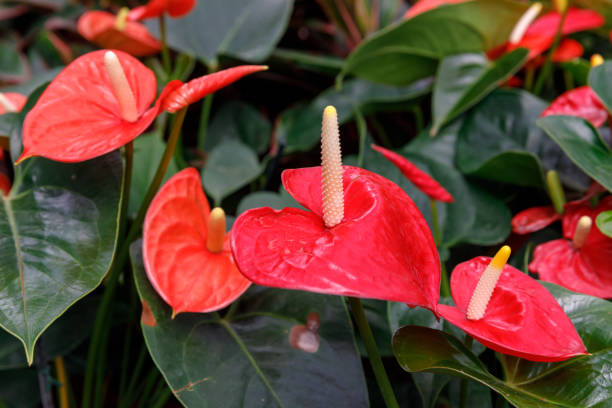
pixel 568 50
pixel 422 6
pixel 581 102
pixel 78 117
pixel 522 319
pixel 99 28
pixel 534 219
pixel 576 20
pixel 182 270
pixel 382 249
pixel 156 8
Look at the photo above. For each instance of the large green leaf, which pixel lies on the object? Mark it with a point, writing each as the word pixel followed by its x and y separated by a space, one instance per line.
pixel 245 359
pixel 582 144
pixel 409 50
pixel 300 127
pixel 463 80
pixel 244 29
pixel 599 81
pixel 578 382
pixel 230 166
pixel 13 65
pixel 239 121
pixel 604 222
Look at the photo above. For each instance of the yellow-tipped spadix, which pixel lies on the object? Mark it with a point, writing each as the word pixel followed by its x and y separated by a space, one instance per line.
pixel 121 20
pixel 121 87
pixel 596 59
pixel 526 19
pixel 486 284
pixel 216 230
pixel 582 231
pixel 331 169
pixel 6 104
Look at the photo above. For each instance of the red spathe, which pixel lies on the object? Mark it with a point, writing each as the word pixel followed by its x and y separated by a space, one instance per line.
pixel 581 102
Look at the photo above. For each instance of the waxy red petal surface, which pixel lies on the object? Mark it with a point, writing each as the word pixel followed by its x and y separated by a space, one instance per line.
pixel 181 269
pixel 581 102
pixel 534 219
pixel 78 118
pixel 156 8
pixel 576 20
pixel 18 101
pixel 99 28
pixel 382 249
pixel 568 50
pixel 424 5
pixel 418 177
pixel 522 319
pixel 198 88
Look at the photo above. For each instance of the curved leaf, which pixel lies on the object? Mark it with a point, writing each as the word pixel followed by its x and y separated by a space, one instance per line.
pixel 599 81
pixel 604 223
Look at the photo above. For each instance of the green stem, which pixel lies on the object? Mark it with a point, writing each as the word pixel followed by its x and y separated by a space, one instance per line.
pixel 165 52
pixel 444 285
pixel 545 72
pixel 418 117
pixel 380 132
pixel 362 130
pixel 555 190
pixel 99 324
pixel 205 115
pixel 529 75
pixel 376 362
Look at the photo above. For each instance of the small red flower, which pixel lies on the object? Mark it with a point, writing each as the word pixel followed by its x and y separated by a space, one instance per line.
pixel 510 312
pixel 581 102
pixel 11 102
pixel 581 260
pixel 103 29
pixel 361 235
pixel 186 251
pixel 418 177
pixel 156 8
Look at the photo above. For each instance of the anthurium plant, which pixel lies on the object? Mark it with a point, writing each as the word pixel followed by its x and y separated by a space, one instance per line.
pixel 273 203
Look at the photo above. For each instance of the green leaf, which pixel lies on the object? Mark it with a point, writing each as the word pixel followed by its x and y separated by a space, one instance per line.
pixel 13 66
pixel 300 127
pixel 604 222
pixel 465 79
pixel 19 388
pixel 245 358
pixel 278 201
pixel 578 382
pixel 582 144
pixel 230 166
pixel 239 121
pixel 599 81
pixel 579 69
pixel 410 50
pixel 243 29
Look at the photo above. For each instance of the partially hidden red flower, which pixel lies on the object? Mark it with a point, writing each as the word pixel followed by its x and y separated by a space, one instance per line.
pixel 521 318
pixel 5 182
pixel 581 260
pixel 418 177
pixel 12 102
pixel 179 258
pixel 581 102
pixel 156 8
pixel 100 28
pixel 422 6
pixel 381 249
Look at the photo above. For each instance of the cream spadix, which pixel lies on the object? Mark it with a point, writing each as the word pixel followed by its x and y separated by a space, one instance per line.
pixel 526 19
pixel 216 230
pixel 331 169
pixel 582 231
pixel 486 284
pixel 121 87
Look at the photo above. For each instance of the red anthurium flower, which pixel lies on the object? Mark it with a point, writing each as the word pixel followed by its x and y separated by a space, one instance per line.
pixel 5 182
pixel 581 102
pixel 418 177
pixel 114 32
pixel 580 261
pixel 156 8
pixel 361 236
pixel 510 312
pixel 422 6
pixel 186 251
pixel 11 102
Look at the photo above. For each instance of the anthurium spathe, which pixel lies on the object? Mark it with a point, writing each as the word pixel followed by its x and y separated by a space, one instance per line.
pixel 422 6
pixel 156 8
pixel 581 260
pixel 361 235
pixel 115 32
pixel 186 250
pixel 11 102
pixel 418 177
pixel 510 312
pixel 581 102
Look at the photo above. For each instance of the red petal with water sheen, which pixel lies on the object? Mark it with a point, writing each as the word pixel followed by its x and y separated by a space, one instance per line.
pixel 99 28
pixel 576 209
pixel 181 269
pixel 155 8
pixel 16 99
pixel 382 249
pixel 77 117
pixel 534 219
pixel 418 177
pixel 425 5
pixel 581 102
pixel 576 20
pixel 522 319
pixel 198 88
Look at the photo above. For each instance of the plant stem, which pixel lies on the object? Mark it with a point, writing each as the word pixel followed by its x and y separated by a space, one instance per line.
pixel 444 285
pixel 42 366
pixel 529 75
pixel 376 362
pixel 165 52
pixel 545 72
pixel 362 130
pixel 62 377
pixel 204 117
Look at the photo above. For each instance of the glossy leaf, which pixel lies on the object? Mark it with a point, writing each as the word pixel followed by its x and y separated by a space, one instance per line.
pixel 582 144
pixel 240 121
pixel 463 80
pixel 278 201
pixel 230 166
pixel 600 83
pixel 13 65
pixel 300 127
pixel 247 30
pixel 246 356
pixel 604 223
pixel 410 50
